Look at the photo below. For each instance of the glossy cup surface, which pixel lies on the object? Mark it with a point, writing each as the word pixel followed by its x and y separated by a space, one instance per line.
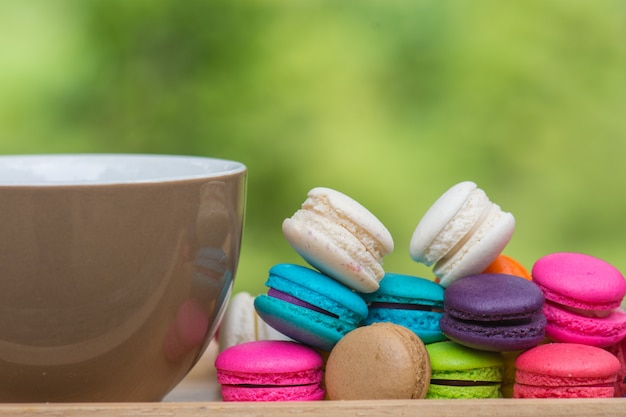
pixel 114 271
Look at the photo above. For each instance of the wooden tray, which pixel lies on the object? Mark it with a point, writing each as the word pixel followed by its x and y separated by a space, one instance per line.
pixel 198 395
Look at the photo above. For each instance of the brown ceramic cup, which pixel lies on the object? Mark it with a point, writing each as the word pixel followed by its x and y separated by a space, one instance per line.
pixel 114 271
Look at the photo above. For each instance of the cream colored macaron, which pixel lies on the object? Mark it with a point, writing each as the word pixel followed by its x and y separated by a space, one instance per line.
pixel 241 323
pixel 341 238
pixel 461 233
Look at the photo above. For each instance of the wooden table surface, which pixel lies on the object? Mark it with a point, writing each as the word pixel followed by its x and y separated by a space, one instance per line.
pixel 198 396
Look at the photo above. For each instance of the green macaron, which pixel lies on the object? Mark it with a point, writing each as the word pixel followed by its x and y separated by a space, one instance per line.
pixel 462 372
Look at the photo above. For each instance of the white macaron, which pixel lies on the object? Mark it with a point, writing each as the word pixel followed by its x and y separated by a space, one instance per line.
pixel 461 233
pixel 241 323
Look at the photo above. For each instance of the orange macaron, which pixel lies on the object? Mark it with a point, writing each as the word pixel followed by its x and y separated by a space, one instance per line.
pixel 504 264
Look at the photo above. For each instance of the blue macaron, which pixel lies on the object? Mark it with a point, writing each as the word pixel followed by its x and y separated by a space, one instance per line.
pixel 308 306
pixel 413 302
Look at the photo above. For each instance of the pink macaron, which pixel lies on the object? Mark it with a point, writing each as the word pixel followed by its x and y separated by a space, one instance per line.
pixel 583 297
pixel 619 350
pixel 565 370
pixel 270 370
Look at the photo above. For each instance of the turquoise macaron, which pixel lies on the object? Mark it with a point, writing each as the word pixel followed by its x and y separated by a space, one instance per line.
pixel 410 301
pixel 309 306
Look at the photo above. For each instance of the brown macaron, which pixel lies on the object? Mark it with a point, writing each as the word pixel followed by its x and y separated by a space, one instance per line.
pixel 379 361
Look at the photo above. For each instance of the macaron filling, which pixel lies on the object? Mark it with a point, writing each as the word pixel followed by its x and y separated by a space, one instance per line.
pixel 460 207
pixel 406 306
pixel 480 244
pixel 503 319
pixel 272 292
pixel 332 205
pixel 462 383
pixel 481 209
pixel 491 375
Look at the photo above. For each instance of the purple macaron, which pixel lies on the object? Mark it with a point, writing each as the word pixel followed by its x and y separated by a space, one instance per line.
pixel 494 312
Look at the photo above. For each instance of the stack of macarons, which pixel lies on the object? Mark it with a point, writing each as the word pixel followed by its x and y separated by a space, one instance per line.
pixel 490 305
pixel 476 329
pixel 343 244
pixel 315 305
pixel 583 298
pixel 585 329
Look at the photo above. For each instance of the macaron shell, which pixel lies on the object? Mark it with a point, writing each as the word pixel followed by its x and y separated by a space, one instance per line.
pixel 337 254
pixel 525 391
pixel 465 392
pixel 462 362
pixel 269 362
pixel 380 361
pixel 288 393
pixel 425 247
pixel 493 297
pixel 494 338
pixel 424 324
pixel 619 351
pixel 579 280
pixel 407 289
pixel 566 326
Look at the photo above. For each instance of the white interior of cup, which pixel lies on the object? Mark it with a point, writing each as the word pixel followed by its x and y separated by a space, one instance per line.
pixel 77 169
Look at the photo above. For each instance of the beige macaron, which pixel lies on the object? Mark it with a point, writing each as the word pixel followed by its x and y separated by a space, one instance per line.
pixel 338 236
pixel 378 362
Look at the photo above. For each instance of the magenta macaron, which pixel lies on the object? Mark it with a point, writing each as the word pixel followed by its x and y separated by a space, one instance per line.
pixel 583 297
pixel 565 370
pixel 270 370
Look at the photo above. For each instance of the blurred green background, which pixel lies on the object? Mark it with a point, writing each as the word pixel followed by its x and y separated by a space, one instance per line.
pixel 390 102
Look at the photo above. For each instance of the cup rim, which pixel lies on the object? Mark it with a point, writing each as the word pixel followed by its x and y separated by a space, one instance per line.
pixel 89 169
